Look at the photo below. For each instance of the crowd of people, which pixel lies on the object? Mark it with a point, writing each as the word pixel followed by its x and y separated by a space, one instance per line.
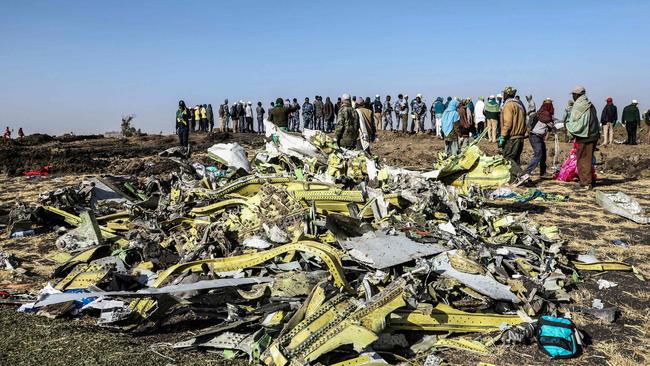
pixel 504 119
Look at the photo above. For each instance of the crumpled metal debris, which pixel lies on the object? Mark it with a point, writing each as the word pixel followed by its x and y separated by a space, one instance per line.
pixel 304 250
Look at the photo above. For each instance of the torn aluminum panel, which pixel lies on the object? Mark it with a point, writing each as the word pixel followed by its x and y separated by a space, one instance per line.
pixel 288 143
pixel 623 205
pixel 50 299
pixel 232 155
pixel 482 283
pixel 380 250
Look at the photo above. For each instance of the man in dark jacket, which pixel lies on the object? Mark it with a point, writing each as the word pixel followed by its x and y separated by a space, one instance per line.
pixel 631 118
pixel 234 117
pixel 608 118
pixel 328 110
pixel 182 123
pixel 347 124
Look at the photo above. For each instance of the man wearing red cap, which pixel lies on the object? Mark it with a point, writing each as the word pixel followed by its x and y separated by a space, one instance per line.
pixel 608 119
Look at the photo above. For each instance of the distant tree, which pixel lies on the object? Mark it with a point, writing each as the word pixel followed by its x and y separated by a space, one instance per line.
pixel 127 129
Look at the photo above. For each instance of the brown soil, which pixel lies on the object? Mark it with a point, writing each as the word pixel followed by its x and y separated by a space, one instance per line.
pixel 29 340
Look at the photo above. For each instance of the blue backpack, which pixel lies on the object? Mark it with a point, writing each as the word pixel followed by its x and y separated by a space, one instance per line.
pixel 558 337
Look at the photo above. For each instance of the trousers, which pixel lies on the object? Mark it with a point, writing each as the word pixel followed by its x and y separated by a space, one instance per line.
pixel 585 153
pixel 378 121
pixel 405 120
pixel 631 128
pixel 539 157
pixel 492 130
pixel 388 121
pixel 608 133
pixel 183 135
pixel 439 126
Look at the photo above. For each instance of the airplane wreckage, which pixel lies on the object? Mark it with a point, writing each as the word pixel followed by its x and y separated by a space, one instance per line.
pixel 309 254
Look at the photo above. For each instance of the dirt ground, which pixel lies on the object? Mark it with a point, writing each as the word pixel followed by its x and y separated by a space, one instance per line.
pixel 30 340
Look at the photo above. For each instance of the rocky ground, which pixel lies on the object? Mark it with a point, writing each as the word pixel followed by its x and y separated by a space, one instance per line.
pixel 30 340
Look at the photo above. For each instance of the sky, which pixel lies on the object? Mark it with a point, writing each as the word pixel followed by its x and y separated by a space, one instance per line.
pixel 78 66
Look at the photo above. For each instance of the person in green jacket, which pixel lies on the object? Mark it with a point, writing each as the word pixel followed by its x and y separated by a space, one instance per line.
pixel 583 125
pixel 631 118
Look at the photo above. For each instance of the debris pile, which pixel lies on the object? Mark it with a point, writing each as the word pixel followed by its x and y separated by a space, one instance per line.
pixel 305 253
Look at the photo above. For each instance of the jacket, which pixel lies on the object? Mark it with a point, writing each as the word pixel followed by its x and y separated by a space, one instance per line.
pixel 328 110
pixel 377 106
pixel 609 114
pixel 318 108
pixel 513 120
pixel 279 116
pixel 182 117
pixel 631 114
pixel 347 126
pixel 260 112
pixel 492 110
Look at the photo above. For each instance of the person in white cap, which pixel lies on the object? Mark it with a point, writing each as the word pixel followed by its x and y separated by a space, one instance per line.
pixel 377 109
pixel 347 124
pixel 584 126
pixel 631 118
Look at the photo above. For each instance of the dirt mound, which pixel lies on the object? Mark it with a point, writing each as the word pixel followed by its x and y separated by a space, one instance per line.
pixel 634 166
pixel 36 139
pixel 73 138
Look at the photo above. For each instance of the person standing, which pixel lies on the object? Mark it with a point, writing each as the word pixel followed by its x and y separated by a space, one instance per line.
pixel 347 124
pixel 631 118
pixel 465 124
pixel 197 118
pixel 248 110
pixel 210 117
pixel 241 112
pixel 404 113
pixel 377 108
pixel 294 117
pixel 513 129
pixel 584 127
pixel 319 116
pixel 450 127
pixel 259 111
pixel 182 124
pixel 479 117
pixel 234 116
pixel 204 118
pixel 21 134
pixel 398 111
pixel 543 120
pixel 438 109
pixel 647 123
pixel 420 112
pixel 367 130
pixel 492 115
pixel 608 119
pixel 337 106
pixel 224 116
pixel 307 114
pixel 328 113
pixel 387 114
